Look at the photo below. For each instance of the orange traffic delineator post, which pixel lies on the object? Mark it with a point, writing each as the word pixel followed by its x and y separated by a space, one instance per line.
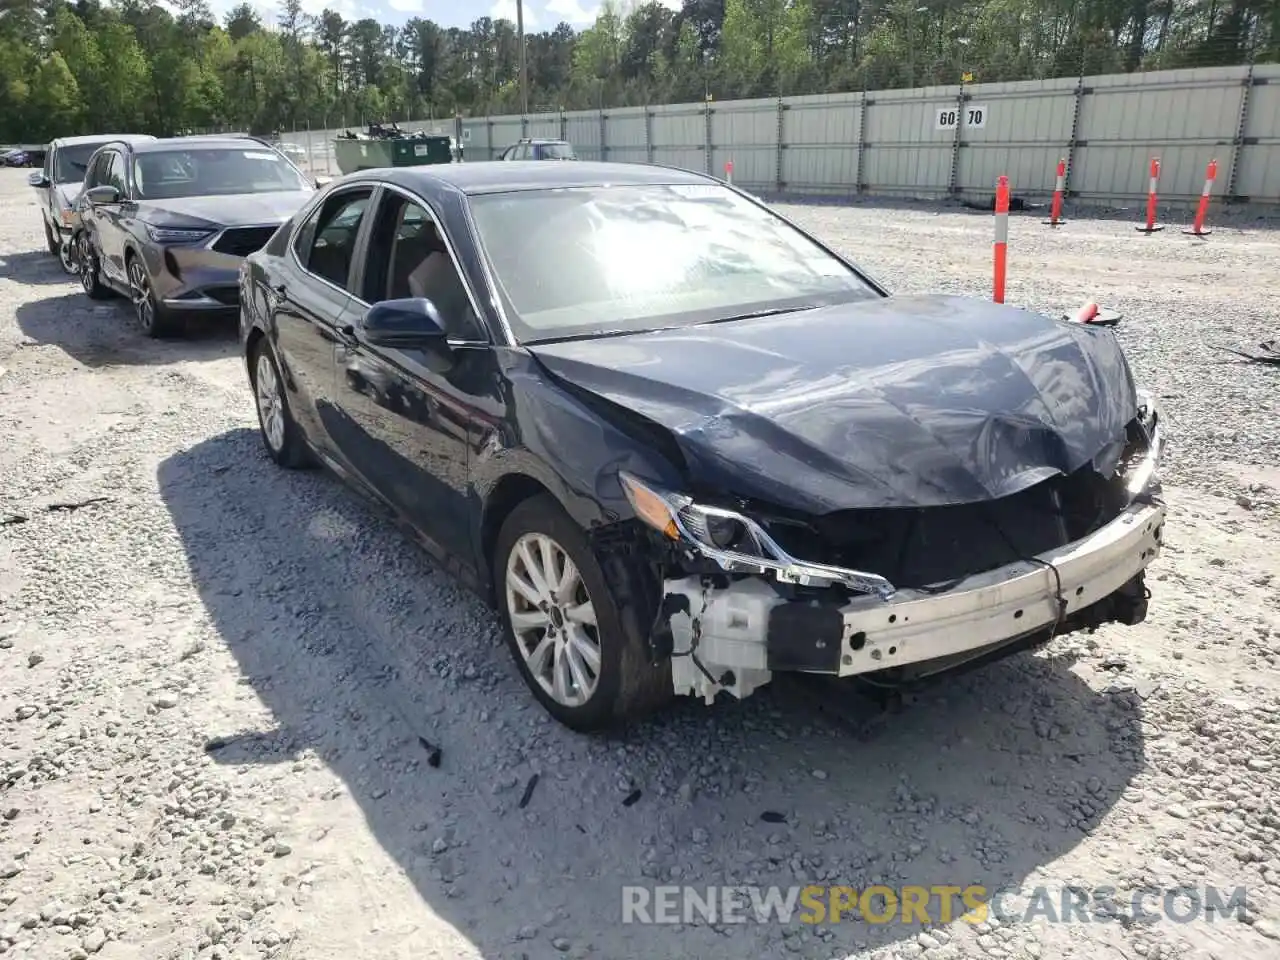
pixel 1154 182
pixel 1001 246
pixel 1197 229
pixel 728 171
pixel 1095 316
pixel 1055 211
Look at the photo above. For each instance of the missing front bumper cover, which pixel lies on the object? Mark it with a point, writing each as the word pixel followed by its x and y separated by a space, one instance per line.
pixel 744 631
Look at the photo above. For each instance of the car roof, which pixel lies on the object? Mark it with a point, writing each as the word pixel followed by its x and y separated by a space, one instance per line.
pixel 198 143
pixel 497 176
pixel 102 139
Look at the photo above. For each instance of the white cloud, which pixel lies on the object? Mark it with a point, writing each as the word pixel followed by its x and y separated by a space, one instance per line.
pixel 573 12
pixel 406 6
pixel 506 10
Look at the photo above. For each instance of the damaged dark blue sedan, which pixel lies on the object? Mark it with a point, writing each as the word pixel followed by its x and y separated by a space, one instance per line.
pixel 682 445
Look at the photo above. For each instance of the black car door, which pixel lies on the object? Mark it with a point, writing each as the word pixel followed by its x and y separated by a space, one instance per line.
pixel 310 303
pixel 405 421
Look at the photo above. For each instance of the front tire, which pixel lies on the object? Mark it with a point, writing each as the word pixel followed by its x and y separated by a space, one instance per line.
pixel 152 317
pixel 281 434
pixel 563 624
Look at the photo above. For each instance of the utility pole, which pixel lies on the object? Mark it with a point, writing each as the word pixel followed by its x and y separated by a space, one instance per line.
pixel 524 70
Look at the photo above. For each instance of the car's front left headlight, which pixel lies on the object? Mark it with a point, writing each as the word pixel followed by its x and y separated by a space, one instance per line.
pixel 173 235
pixel 734 541
pixel 1141 475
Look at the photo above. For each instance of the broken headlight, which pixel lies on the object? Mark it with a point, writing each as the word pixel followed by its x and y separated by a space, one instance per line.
pixel 1140 472
pixel 734 541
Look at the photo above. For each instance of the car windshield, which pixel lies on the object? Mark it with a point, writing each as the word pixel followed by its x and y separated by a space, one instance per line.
pixel 604 260
pixel 72 161
pixel 167 174
pixel 558 151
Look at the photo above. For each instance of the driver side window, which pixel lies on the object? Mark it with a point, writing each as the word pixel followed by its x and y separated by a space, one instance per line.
pixel 115 173
pixel 326 242
pixel 94 176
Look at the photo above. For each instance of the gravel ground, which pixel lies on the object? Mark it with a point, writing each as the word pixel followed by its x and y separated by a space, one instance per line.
pixel 214 680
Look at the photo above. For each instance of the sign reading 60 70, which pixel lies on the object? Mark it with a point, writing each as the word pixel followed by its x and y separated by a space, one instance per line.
pixel 972 115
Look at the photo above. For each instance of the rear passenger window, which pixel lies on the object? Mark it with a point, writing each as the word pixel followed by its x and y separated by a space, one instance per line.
pixel 326 242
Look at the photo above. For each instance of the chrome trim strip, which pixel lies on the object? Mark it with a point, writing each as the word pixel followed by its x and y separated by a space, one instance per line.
pixel 202 302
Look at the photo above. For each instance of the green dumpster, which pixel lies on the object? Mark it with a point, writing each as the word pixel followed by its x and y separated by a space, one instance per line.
pixel 355 155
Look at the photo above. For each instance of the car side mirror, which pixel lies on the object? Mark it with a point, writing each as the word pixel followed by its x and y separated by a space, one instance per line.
pixel 412 323
pixel 103 194
pixel 322 182
pixel 38 180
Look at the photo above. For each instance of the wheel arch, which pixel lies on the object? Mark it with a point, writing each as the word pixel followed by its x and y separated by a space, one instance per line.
pixel 254 337
pixel 509 492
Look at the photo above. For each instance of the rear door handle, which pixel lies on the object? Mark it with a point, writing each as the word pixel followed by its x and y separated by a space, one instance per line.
pixel 280 289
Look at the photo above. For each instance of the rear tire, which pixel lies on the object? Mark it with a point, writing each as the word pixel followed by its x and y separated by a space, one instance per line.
pixel 281 434
pixel 565 627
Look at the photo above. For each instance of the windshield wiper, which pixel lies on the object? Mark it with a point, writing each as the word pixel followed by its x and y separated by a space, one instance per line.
pixel 594 335
pixel 770 312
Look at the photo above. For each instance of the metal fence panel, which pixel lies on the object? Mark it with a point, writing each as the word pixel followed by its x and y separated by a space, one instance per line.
pixel 1258 173
pixel 905 151
pixel 583 130
pixel 626 135
pixel 821 136
pixel 503 132
pixel 938 141
pixel 545 126
pixel 745 133
pixel 1019 130
pixel 679 135
pixel 1182 117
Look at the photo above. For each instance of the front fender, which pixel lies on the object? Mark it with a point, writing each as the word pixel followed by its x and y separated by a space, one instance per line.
pixel 561 442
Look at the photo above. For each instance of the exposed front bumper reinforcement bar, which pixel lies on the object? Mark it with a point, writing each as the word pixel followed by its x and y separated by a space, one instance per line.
pixel 741 633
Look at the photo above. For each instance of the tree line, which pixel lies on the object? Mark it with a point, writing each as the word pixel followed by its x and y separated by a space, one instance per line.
pixel 132 65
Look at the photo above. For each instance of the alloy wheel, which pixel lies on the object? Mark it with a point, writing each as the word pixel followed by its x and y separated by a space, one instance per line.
pixel 553 619
pixel 67 255
pixel 270 403
pixel 140 294
pixel 88 265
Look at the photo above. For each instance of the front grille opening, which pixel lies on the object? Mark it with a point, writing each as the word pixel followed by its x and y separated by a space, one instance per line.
pixel 918 547
pixel 228 295
pixel 242 241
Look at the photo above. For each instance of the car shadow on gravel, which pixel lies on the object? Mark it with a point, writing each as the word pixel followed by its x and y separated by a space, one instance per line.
pixel 104 334
pixel 34 268
pixel 368 657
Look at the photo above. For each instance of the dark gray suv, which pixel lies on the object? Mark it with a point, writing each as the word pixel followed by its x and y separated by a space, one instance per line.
pixel 168 222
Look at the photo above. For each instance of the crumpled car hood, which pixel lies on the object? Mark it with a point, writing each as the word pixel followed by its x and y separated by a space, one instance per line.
pixel 906 401
pixel 225 210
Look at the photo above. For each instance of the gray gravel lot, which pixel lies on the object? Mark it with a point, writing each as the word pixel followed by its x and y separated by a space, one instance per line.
pixel 214 680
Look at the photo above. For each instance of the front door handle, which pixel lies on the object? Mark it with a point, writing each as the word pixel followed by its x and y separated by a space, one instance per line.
pixel 280 289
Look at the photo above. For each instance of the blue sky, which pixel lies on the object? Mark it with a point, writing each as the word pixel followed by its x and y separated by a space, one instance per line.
pixel 538 14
